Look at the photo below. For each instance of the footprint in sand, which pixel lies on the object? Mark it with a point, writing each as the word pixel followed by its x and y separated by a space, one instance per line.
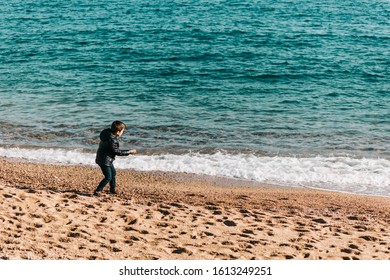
pixel 319 221
pixel 163 211
pixel 230 223
pixel 181 251
pixel 368 238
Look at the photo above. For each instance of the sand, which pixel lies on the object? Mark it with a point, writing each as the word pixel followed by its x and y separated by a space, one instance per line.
pixel 49 212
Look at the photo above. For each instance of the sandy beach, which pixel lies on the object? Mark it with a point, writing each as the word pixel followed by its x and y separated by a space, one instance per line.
pixel 48 212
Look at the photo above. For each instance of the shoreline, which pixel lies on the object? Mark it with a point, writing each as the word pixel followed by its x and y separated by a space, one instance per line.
pixel 49 212
pixel 365 176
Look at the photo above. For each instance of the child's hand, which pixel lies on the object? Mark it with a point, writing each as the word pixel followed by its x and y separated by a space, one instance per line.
pixel 133 152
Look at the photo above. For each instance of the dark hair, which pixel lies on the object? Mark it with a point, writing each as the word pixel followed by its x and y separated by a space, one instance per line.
pixel 117 126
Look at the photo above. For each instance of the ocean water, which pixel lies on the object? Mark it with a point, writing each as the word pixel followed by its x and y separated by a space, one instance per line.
pixel 284 92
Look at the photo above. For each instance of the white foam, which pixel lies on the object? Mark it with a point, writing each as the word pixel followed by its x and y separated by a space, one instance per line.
pixel 345 174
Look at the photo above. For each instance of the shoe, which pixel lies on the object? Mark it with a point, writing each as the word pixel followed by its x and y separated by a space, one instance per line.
pixel 96 193
pixel 113 192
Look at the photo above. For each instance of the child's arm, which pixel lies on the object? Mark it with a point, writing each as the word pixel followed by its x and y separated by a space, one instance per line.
pixel 114 147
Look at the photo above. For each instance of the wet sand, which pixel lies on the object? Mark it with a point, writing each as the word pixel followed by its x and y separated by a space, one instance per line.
pixel 49 212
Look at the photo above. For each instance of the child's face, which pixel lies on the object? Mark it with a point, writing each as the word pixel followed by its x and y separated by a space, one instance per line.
pixel 119 133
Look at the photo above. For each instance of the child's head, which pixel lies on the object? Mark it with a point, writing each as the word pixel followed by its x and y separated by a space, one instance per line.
pixel 117 127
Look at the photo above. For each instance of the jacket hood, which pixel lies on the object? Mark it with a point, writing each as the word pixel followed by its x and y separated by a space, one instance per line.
pixel 107 134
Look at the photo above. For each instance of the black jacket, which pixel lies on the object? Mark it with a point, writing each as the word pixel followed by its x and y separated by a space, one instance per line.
pixel 108 148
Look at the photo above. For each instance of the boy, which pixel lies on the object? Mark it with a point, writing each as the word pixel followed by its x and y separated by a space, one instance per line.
pixel 105 156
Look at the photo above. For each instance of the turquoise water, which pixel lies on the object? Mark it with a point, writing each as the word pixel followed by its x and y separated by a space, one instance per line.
pixel 239 83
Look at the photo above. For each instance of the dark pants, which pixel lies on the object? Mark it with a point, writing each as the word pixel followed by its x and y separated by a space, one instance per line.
pixel 109 173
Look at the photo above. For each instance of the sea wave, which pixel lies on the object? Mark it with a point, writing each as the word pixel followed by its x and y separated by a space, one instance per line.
pixel 343 174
